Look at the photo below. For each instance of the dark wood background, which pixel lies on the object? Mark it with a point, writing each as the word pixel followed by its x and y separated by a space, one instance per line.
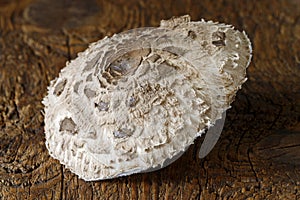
pixel 258 154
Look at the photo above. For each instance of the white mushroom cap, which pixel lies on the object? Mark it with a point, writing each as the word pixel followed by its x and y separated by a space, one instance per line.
pixel 134 101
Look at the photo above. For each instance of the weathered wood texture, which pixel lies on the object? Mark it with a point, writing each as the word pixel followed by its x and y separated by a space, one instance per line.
pixel 258 155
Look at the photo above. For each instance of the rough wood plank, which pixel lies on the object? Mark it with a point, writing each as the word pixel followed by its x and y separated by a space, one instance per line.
pixel 258 154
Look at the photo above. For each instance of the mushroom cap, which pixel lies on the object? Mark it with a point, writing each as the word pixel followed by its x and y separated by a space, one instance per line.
pixel 134 101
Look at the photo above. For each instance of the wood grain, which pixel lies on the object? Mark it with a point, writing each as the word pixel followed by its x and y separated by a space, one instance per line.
pixel 258 154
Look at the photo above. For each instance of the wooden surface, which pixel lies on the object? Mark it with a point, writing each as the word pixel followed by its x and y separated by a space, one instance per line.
pixel 258 154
